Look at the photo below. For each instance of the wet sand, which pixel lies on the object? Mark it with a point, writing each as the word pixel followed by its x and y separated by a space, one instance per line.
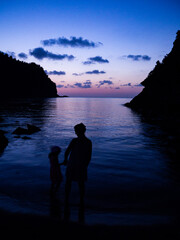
pixel 23 226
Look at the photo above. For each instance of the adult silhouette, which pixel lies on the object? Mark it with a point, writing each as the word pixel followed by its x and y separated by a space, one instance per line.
pixel 77 158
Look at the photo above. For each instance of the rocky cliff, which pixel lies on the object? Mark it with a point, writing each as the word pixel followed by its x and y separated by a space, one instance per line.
pixel 23 80
pixel 161 93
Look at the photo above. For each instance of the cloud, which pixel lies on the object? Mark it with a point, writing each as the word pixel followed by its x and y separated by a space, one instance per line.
pixel 131 85
pixel 77 74
pixel 108 82
pixel 11 54
pixel 22 55
pixel 59 86
pixel 72 42
pixel 95 72
pixel 87 84
pixel 78 85
pixel 127 85
pixel 55 72
pixel 69 86
pixel 40 54
pixel 89 72
pixel 97 59
pixel 138 57
pixel 138 85
pixel 88 62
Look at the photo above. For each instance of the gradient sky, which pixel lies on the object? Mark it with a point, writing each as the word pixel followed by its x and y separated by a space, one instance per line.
pixel 91 48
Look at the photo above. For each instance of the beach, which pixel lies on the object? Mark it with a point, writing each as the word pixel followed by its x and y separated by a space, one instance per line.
pixel 23 226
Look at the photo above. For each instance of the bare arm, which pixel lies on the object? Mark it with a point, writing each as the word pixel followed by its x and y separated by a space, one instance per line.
pixel 89 154
pixel 67 152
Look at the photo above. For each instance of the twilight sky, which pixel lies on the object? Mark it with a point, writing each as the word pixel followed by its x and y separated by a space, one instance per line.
pixel 91 48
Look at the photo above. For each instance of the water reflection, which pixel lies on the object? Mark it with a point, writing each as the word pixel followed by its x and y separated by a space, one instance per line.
pixel 166 139
pixel 21 112
pixel 133 168
pixel 30 108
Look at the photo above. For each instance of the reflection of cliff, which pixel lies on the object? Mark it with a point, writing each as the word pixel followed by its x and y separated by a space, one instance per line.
pixel 162 86
pixel 23 111
pixel 20 79
pixel 19 112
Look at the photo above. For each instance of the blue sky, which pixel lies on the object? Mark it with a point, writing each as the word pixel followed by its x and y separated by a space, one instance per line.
pixel 91 48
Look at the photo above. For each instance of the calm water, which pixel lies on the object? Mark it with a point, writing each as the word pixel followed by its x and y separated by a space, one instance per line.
pixel 130 178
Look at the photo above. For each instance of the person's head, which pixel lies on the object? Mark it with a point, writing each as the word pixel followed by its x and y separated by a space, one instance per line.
pixel 80 129
pixel 55 150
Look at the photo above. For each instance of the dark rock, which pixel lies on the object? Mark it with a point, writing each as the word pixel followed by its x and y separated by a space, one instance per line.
pixel 32 129
pixel 17 136
pixel 26 138
pixel 3 142
pixel 1 119
pixel 2 132
pixel 20 131
pixel 161 93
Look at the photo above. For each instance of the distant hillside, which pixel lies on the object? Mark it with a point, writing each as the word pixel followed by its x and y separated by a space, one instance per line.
pixel 20 79
pixel 161 94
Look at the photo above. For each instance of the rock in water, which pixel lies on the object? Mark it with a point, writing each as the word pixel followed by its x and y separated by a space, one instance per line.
pixel 32 129
pixel 20 131
pixel 26 138
pixel 3 142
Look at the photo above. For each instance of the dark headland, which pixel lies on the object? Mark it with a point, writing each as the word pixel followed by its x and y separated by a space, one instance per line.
pixel 24 80
pixel 161 93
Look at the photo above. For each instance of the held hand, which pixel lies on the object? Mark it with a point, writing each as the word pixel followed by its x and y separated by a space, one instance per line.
pixel 64 163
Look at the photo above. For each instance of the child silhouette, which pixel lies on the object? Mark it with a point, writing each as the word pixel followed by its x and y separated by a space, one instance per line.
pixel 55 171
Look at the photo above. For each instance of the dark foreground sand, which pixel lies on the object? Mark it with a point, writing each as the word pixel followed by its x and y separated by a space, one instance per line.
pixel 19 226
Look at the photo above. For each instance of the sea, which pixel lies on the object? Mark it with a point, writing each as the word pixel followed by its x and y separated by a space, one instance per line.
pixel 132 180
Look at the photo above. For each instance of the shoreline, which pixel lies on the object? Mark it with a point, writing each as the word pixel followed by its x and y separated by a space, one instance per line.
pixel 27 226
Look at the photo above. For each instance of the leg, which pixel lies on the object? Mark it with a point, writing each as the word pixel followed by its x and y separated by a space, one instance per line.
pixel 67 190
pixel 81 205
pixel 52 188
pixel 82 192
pixel 57 186
pixel 66 207
pixel 81 217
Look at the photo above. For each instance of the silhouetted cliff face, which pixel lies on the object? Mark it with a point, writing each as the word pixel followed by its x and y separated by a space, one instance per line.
pixel 20 79
pixel 162 86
